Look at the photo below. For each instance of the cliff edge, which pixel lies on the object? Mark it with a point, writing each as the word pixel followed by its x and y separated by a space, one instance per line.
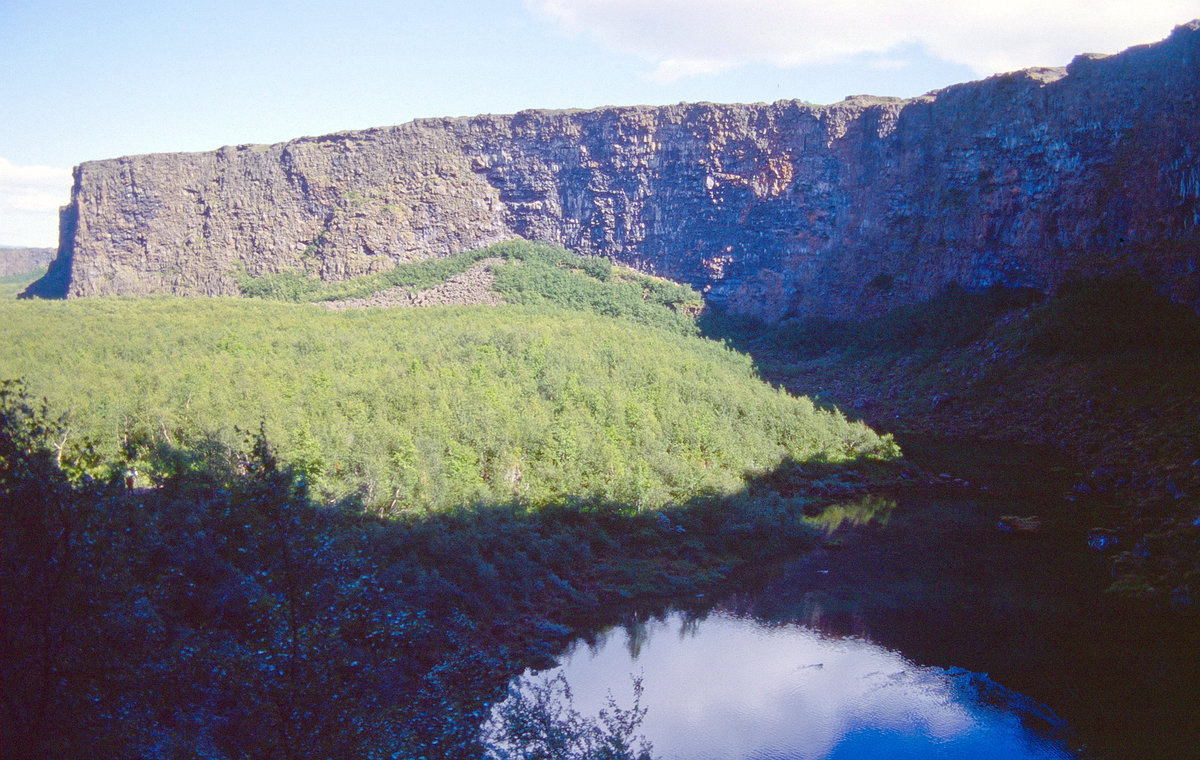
pixel 1022 179
pixel 16 260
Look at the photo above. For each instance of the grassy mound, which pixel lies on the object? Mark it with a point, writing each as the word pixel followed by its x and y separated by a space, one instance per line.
pixel 532 273
pixel 421 408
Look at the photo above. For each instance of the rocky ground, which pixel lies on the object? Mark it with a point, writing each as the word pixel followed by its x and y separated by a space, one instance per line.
pixel 471 288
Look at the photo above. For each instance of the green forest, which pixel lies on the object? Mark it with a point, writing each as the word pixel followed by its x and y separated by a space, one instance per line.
pixel 427 408
pixel 260 528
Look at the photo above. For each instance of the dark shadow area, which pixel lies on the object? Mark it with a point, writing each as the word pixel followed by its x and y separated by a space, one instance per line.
pixel 945 585
pixel 952 319
pixel 1103 374
pixel 926 569
pixel 1105 370
pixel 224 609
pixel 52 285
pixel 57 280
pixel 1115 315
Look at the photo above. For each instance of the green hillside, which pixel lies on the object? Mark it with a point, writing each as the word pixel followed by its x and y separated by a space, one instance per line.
pixel 509 459
pixel 428 407
pixel 526 273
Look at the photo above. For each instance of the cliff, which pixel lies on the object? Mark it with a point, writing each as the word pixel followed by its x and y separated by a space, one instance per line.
pixel 1021 179
pixel 23 260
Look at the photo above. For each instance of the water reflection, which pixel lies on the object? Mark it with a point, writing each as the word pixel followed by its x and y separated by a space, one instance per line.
pixel 862 511
pixel 731 687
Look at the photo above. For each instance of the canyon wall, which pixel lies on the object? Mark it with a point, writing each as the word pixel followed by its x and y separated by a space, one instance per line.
pixel 1023 179
pixel 14 260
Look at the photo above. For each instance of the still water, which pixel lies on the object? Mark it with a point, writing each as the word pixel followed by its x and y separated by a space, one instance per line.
pixel 734 688
pixel 867 646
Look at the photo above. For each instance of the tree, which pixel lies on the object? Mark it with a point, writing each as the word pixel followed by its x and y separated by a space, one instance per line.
pixel 539 721
pixel 41 523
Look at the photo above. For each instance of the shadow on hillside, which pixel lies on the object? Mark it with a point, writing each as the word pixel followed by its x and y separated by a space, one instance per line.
pixel 952 319
pixel 57 281
pixel 225 608
pixel 1118 315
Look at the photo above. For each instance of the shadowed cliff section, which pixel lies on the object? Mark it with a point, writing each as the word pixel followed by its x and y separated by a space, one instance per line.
pixel 1021 180
pixel 57 280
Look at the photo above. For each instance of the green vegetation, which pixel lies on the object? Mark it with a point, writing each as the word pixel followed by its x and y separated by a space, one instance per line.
pixel 599 289
pixel 12 285
pixel 285 286
pixel 224 609
pixel 532 273
pixel 456 493
pixel 421 408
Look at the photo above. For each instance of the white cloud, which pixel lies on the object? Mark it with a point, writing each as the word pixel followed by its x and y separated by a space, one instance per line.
pixel 30 197
pixel 671 69
pixel 689 37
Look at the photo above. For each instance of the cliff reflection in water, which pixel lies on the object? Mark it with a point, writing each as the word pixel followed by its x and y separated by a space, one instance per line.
pixel 731 687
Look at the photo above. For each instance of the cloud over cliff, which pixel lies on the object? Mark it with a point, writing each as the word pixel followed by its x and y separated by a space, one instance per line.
pixel 29 201
pixel 696 37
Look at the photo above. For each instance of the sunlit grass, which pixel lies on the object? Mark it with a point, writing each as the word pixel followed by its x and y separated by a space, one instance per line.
pixel 12 285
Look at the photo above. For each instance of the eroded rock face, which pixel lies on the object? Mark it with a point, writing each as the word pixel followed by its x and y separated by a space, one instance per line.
pixel 15 260
pixel 843 210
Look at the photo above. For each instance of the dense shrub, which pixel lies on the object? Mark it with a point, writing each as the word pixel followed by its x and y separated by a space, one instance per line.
pixel 285 286
pixel 228 614
pixel 643 300
pixel 236 601
pixel 420 408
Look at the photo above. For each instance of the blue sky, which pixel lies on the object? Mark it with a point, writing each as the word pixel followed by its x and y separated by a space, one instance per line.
pixel 84 80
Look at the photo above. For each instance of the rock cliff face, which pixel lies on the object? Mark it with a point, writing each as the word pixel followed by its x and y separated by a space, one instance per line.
pixel 23 260
pixel 843 210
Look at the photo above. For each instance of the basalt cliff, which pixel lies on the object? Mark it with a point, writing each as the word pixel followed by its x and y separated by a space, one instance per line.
pixel 15 260
pixel 1023 179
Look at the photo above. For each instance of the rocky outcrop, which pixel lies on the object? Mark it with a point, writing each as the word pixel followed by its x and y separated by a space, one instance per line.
pixel 470 288
pixel 842 210
pixel 24 260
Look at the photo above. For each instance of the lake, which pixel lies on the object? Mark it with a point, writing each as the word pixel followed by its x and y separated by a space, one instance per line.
pixel 737 688
pixel 877 643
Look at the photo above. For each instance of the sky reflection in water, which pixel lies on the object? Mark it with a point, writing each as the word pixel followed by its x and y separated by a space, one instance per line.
pixel 728 687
